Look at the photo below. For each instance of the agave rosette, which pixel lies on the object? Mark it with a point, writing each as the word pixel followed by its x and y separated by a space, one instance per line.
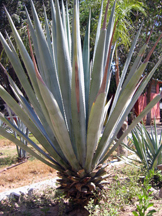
pixel 146 145
pixel 67 98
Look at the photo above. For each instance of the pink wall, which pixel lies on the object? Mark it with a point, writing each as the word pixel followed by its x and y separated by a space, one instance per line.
pixel 155 111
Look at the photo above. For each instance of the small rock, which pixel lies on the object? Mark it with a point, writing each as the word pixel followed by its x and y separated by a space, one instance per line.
pixel 30 192
pixel 155 193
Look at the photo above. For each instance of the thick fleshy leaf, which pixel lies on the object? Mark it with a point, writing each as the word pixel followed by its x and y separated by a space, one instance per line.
pixel 41 101
pixel 105 113
pixel 51 78
pixel 147 146
pixel 27 121
pixel 86 64
pixel 134 123
pixel 26 148
pixel 25 56
pixel 98 63
pixel 68 29
pixel 126 65
pixel 78 93
pixel 122 102
pixel 12 55
pixel 64 66
pixel 142 84
pixel 22 135
pixel 148 138
pixel 156 157
pixel 98 30
pixel 32 115
pixel 29 110
pixel 97 71
pixel 54 33
pixel 48 35
pixel 109 32
pixel 35 43
pixel 63 18
pixel 30 68
pixel 136 64
pixel 94 126
pixel 58 123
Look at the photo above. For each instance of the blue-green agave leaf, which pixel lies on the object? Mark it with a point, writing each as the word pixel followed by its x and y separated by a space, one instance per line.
pixel 26 148
pixel 134 123
pixel 51 78
pixel 78 92
pixel 64 67
pixel 86 64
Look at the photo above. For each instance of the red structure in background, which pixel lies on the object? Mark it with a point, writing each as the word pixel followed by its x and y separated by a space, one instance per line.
pixel 142 102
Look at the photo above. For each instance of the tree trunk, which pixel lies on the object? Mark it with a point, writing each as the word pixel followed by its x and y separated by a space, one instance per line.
pixel 121 151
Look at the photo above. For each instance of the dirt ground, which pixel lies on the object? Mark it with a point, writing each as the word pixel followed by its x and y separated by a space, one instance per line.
pixel 27 173
pixel 35 171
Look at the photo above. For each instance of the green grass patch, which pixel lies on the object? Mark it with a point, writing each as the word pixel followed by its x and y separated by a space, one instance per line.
pixel 8 156
pixel 8 151
pixel 8 161
pixel 33 138
pixel 123 190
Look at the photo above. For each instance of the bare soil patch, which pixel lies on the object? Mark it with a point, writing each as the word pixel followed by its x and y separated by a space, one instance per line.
pixel 27 173
pixel 6 143
pixel 32 171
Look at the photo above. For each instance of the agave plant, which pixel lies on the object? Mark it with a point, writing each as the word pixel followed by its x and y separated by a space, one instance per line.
pixel 19 124
pixel 20 151
pixel 67 106
pixel 147 146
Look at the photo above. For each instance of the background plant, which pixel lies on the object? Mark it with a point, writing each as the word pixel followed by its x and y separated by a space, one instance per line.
pixel 21 153
pixel 146 145
pixel 67 100
pixel 121 191
pixel 145 197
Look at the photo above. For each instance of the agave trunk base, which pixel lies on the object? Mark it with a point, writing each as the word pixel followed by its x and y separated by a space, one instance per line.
pixel 82 187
